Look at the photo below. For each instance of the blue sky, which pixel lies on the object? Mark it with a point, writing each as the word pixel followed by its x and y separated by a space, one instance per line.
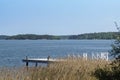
pixel 58 17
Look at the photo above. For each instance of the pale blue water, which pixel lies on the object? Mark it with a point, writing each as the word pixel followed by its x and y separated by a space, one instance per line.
pixel 13 51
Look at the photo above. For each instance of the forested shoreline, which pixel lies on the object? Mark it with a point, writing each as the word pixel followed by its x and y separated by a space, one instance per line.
pixel 100 35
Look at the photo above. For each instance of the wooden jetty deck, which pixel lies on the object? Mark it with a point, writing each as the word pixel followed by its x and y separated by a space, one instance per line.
pixel 40 60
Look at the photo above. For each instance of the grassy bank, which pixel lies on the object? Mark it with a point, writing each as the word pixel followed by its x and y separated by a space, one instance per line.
pixel 71 69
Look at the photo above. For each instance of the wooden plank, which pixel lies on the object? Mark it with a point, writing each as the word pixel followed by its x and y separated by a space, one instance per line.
pixel 41 60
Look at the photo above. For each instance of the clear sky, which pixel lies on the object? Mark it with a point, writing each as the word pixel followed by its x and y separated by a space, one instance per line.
pixel 58 17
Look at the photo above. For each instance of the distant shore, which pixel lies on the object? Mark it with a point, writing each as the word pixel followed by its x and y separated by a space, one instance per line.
pixel 87 36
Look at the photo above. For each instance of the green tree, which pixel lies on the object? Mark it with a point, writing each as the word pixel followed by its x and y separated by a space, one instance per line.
pixel 111 71
pixel 115 52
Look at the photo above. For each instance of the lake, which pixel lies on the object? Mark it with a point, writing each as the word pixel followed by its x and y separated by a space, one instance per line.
pixel 13 51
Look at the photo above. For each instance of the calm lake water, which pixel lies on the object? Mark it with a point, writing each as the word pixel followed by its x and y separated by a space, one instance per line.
pixel 13 51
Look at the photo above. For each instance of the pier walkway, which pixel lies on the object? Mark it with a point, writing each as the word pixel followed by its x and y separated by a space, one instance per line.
pixel 40 60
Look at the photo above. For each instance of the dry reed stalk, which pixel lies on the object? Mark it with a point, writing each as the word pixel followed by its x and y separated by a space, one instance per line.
pixel 70 69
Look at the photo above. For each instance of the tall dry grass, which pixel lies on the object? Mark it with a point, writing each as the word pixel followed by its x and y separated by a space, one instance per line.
pixel 70 69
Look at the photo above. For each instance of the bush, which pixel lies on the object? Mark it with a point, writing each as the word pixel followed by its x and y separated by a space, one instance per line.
pixel 112 71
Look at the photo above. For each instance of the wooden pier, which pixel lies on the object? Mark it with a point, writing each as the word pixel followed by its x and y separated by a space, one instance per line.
pixel 40 60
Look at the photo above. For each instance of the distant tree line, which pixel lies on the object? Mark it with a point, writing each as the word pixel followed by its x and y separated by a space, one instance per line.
pixel 31 37
pixel 101 35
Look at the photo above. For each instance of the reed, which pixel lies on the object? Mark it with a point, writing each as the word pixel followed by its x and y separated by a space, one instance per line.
pixel 70 69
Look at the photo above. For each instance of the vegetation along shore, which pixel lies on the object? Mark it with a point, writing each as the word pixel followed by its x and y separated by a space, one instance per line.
pixel 100 35
pixel 71 69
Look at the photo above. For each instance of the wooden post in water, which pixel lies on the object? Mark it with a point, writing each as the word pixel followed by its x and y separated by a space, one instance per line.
pixel 48 58
pixel 26 61
pixel 36 64
pixel 48 61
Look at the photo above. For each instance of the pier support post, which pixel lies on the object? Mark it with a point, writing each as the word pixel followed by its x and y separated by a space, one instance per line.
pixel 26 61
pixel 48 58
pixel 36 64
pixel 48 61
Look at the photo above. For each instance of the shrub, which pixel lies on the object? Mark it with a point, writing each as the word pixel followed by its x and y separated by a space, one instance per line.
pixel 112 71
